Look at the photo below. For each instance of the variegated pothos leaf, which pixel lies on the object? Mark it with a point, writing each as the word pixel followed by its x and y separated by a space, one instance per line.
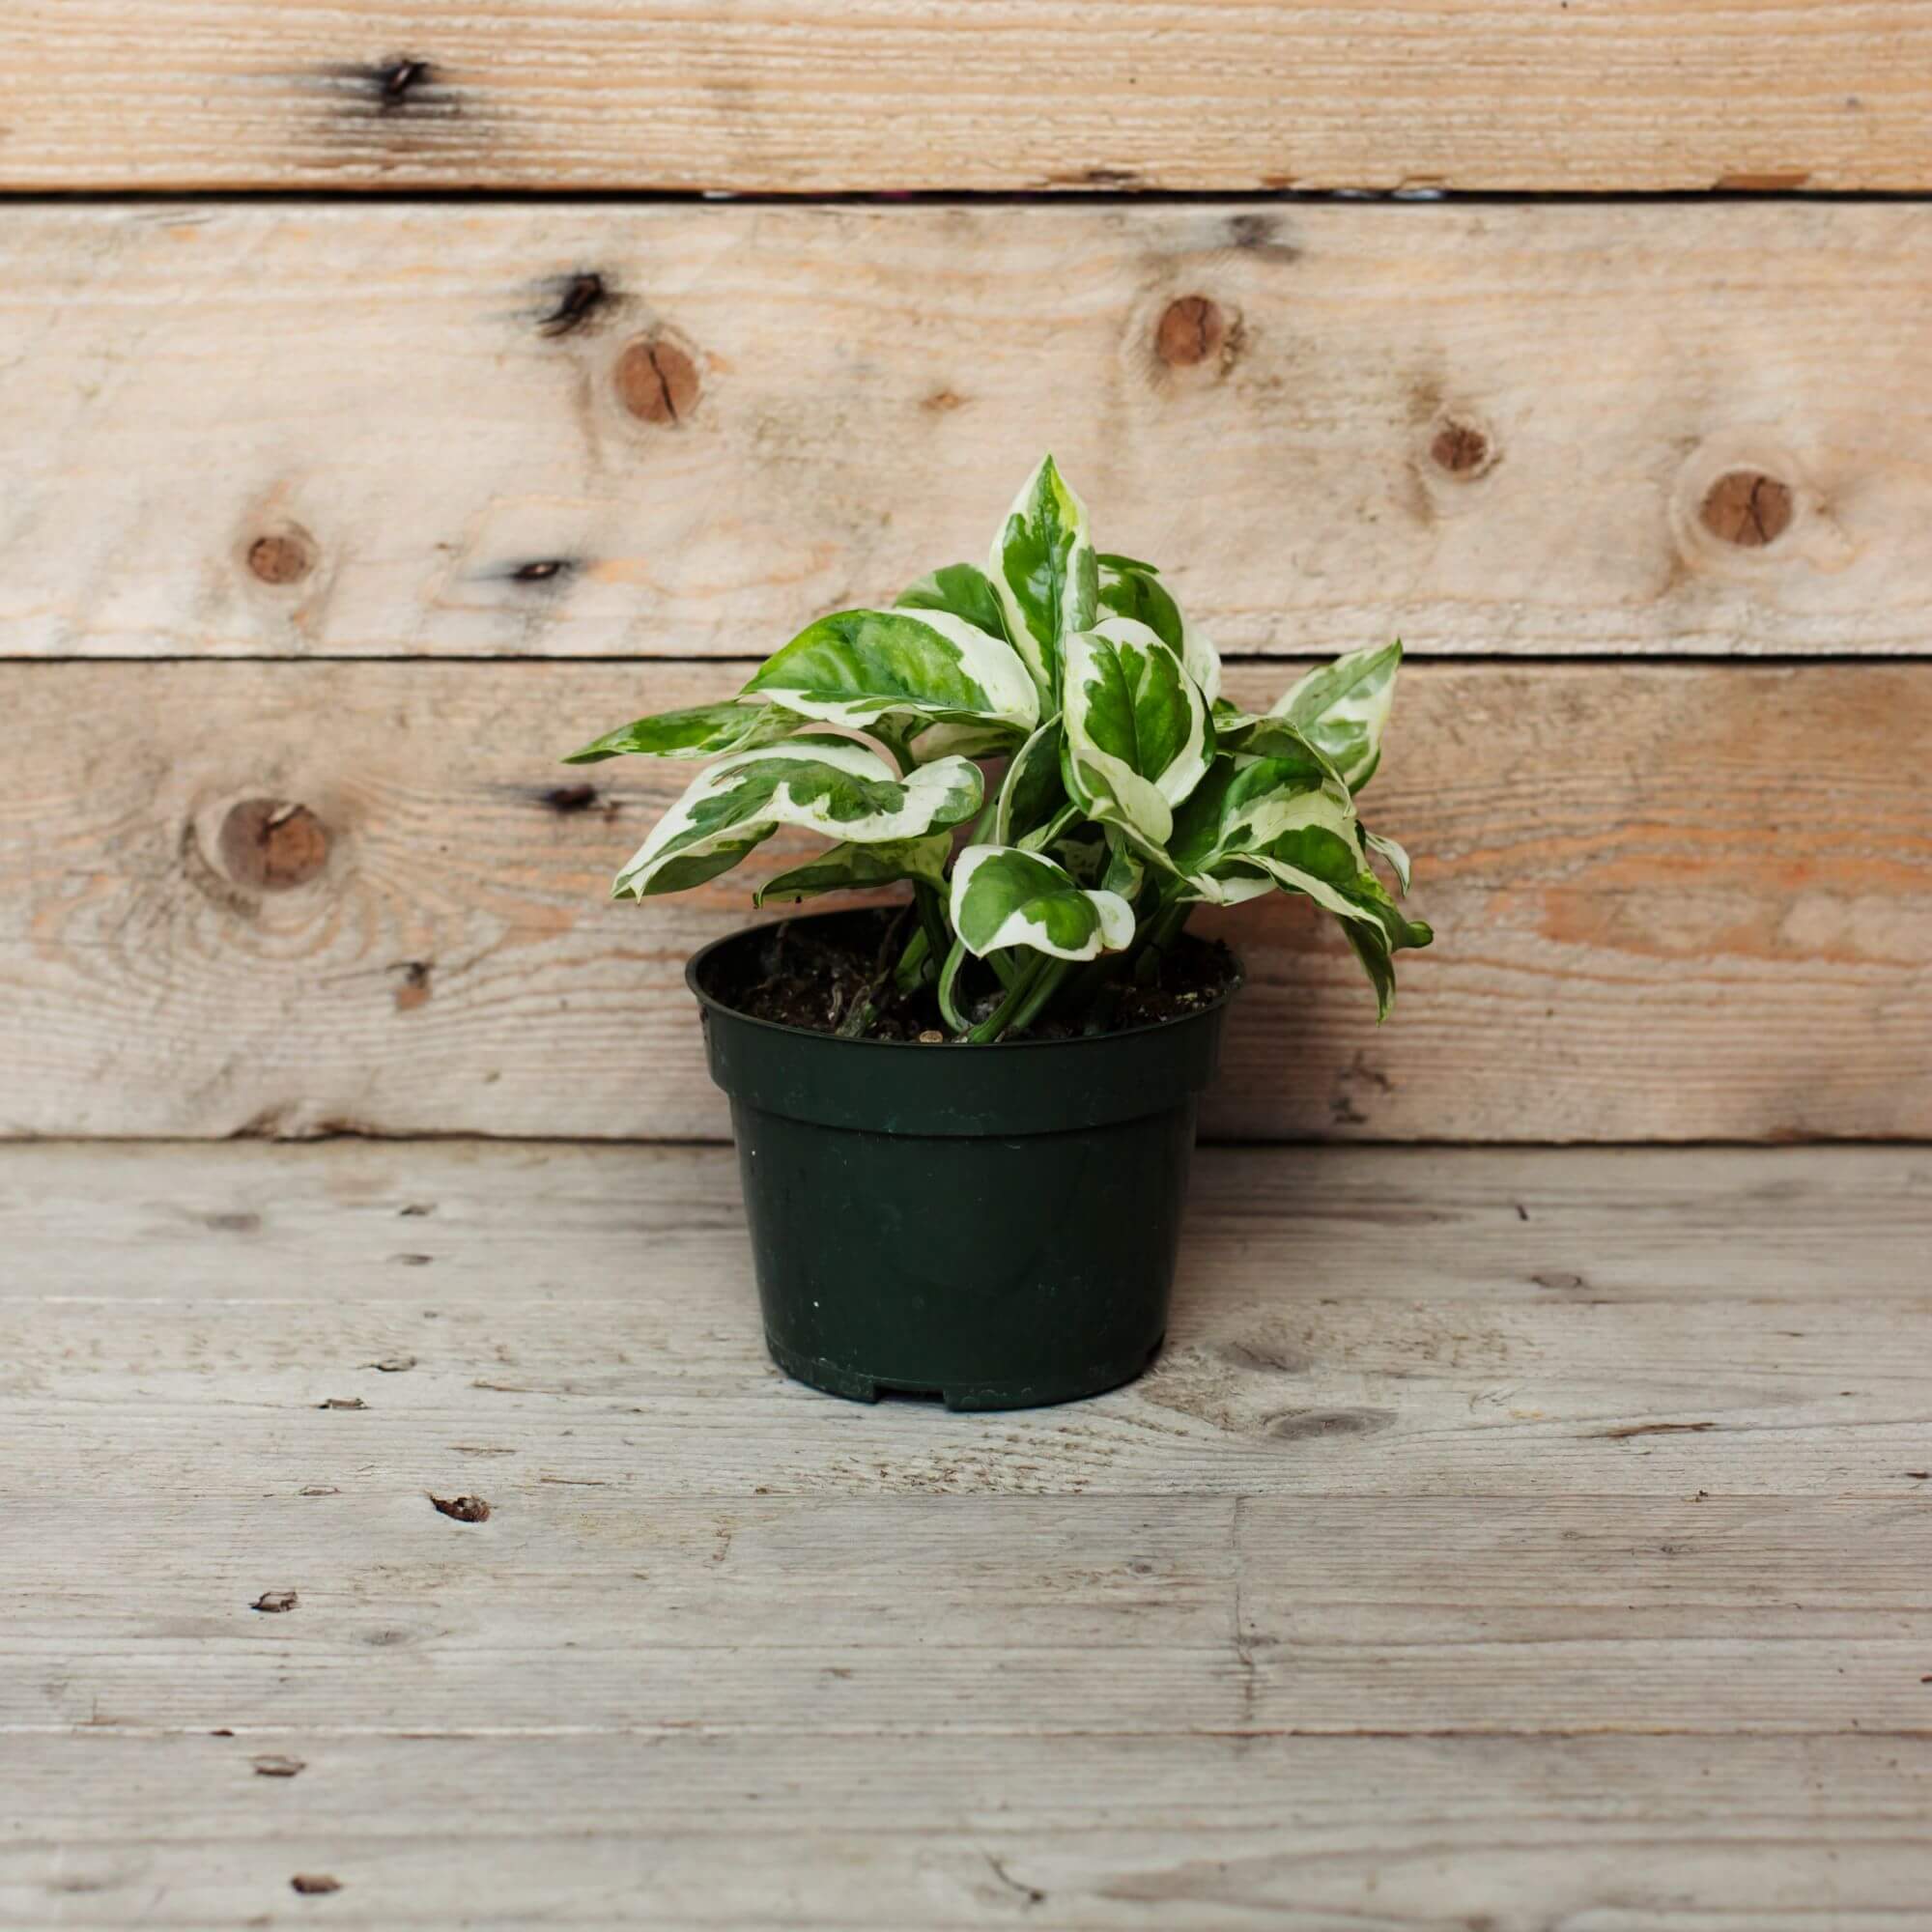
pixel 1043 568
pixel 870 667
pixel 1138 737
pixel 703 731
pixel 1343 707
pixel 1032 791
pixel 854 868
pixel 829 786
pixel 1131 589
pixel 960 589
pixel 1004 898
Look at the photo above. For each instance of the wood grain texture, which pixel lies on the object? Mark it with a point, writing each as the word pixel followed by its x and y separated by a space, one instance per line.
pixel 817 95
pixel 295 429
pixel 1321 1835
pixel 577 1325
pixel 1673 902
pixel 729 1653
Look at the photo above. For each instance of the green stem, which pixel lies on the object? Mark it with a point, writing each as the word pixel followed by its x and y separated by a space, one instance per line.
pixel 932 917
pixel 1041 995
pixel 948 974
pixel 1161 931
pixel 910 971
pixel 1009 1009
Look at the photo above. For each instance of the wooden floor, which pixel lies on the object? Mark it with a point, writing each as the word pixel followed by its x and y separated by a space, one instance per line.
pixel 1507 1541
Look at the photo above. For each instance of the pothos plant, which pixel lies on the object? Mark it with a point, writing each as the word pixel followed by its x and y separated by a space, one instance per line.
pixel 1131 793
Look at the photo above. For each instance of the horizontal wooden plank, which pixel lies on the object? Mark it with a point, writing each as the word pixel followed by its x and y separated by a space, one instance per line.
pixel 295 429
pixel 1082 1615
pixel 501 1221
pixel 1673 902
pixel 1814 1835
pixel 811 96
pixel 544 1326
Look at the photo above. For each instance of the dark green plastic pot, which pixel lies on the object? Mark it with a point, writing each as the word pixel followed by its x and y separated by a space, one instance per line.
pixel 992 1225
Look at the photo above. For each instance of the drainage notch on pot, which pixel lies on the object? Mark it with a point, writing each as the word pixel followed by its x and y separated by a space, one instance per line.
pixel 996 1225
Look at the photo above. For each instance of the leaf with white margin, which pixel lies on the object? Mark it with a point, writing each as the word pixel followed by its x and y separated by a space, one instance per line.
pixel 961 741
pixel 701 732
pixel 1138 735
pixel 1131 589
pixel 854 868
pixel 1288 821
pixel 1396 856
pixel 1043 567
pixel 1003 897
pixel 962 590
pixel 1343 707
pixel 861 668
pixel 1032 790
pixel 828 785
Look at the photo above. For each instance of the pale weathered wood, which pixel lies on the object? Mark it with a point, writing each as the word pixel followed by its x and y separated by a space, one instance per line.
pixel 1322 1835
pixel 1488 429
pixel 1249 1648
pixel 1662 1324
pixel 819 95
pixel 1672 903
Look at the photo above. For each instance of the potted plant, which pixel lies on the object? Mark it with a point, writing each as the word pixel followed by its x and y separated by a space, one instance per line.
pixel 964 1122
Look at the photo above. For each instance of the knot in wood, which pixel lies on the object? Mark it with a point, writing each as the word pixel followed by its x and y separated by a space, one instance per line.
pixel 1747 509
pixel 1461 449
pixel 656 380
pixel 1190 331
pixel 273 845
pixel 281 556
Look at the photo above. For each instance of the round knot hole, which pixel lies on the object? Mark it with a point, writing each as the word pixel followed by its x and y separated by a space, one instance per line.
pixel 1460 450
pixel 282 556
pixel 656 380
pixel 1747 509
pixel 272 846
pixel 1191 331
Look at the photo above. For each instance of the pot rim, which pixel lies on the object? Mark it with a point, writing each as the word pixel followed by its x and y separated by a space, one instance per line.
pixel 711 1003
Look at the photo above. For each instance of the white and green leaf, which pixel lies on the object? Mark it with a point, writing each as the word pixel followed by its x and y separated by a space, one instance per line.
pixel 1005 898
pixel 1032 791
pixel 1131 589
pixel 961 590
pixel 705 731
pixel 829 786
pixel 856 867
pixel 864 669
pixel 1342 708
pixel 1043 567
pixel 1396 857
pixel 1138 734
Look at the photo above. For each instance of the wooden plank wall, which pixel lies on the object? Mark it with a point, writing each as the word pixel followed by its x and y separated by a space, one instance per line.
pixel 328 522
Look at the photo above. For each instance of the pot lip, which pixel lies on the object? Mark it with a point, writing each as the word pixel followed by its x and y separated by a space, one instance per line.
pixel 710 1004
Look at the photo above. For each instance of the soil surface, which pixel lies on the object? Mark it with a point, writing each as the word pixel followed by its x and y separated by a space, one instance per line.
pixel 822 972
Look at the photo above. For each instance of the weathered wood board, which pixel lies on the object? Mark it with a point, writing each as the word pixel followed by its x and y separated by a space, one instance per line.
pixel 1429 1580
pixel 828 95
pixel 328 429
pixel 1673 902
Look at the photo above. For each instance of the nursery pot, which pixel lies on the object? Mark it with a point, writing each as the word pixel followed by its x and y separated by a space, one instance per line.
pixel 992 1225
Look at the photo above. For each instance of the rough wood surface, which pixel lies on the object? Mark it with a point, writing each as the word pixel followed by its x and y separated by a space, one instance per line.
pixel 1249 1642
pixel 817 96
pixel 295 429
pixel 1673 902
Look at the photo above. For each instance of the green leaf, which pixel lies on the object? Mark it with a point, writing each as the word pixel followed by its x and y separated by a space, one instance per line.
pixel 1343 707
pixel 1288 821
pixel 960 589
pixel 1003 897
pixel 1032 791
pixel 1112 559
pixel 829 786
pixel 701 732
pixel 1138 734
pixel 1044 569
pixel 853 867
pixel 1394 854
pixel 1129 589
pixel 863 667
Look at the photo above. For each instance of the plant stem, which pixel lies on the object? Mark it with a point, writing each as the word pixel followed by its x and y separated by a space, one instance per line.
pixel 911 969
pixel 948 974
pixel 1161 931
pixel 1017 995
pixel 1039 996
pixel 932 917
pixel 1043 836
